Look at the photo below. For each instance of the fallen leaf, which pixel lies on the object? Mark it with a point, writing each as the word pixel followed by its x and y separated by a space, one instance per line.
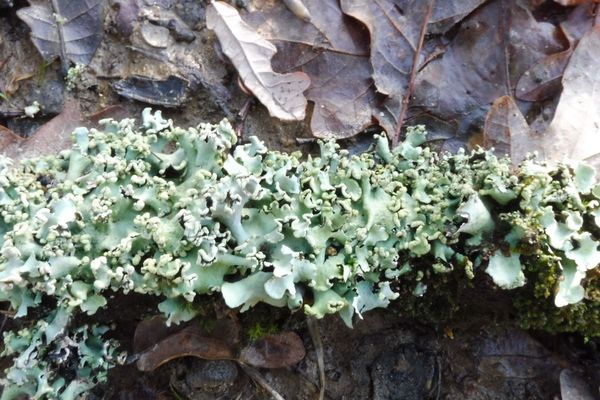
pixel 329 28
pixel 494 47
pixel 251 55
pixel 71 30
pixel 8 137
pixel 153 330
pixel 394 34
pixel 448 13
pixel 50 138
pixel 187 342
pixel 298 8
pixel 543 80
pixel 506 130
pixel 274 351
pixel 573 2
pixel 574 133
pixel 333 50
pixel 579 21
pixel 573 386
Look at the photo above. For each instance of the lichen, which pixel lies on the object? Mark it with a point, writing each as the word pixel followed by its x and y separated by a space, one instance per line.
pixel 181 213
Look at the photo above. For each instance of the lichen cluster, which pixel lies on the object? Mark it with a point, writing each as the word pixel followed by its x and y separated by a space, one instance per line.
pixel 179 213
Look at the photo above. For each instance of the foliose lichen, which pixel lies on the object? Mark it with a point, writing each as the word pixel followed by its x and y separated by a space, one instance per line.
pixel 180 213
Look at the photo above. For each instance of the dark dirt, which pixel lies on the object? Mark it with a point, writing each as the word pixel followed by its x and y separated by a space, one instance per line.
pixel 385 356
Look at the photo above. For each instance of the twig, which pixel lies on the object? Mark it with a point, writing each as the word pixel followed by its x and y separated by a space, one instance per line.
pixel 413 74
pixel 241 117
pixel 315 334
pixel 306 140
pixel 257 377
pixel 439 383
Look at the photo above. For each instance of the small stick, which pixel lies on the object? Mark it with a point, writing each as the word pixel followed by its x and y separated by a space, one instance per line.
pixel 241 117
pixel 257 377
pixel 413 74
pixel 315 334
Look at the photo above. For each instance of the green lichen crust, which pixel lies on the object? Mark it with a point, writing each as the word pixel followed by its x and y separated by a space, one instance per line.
pixel 179 213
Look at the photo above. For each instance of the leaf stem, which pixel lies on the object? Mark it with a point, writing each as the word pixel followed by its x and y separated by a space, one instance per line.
pixel 413 73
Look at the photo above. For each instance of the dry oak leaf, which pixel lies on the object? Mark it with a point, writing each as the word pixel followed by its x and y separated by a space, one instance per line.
pixel 494 47
pixel 574 133
pixel 333 50
pixel 395 27
pixel 69 29
pixel 50 138
pixel 507 131
pixel 251 55
pixel 543 80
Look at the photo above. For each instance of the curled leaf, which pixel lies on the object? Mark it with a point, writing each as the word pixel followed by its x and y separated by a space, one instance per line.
pixel 573 132
pixel 251 55
pixel 188 342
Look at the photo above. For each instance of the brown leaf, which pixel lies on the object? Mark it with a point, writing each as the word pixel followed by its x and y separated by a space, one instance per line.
pixel 329 28
pixel 274 351
pixel 342 91
pixel 8 138
pixel 50 138
pixel 543 80
pixel 188 342
pixel 579 21
pixel 506 130
pixel 71 30
pixel 153 330
pixel 448 13
pixel 251 55
pixel 394 34
pixel 333 50
pixel 575 130
pixel 574 2
pixel 493 48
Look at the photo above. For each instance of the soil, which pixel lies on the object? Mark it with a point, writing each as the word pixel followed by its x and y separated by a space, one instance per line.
pixel 384 357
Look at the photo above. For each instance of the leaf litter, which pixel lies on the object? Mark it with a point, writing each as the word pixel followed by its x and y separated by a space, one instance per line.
pixel 251 55
pixel 65 29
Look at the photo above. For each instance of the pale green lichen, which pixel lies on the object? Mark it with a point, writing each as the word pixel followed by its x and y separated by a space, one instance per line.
pixel 179 213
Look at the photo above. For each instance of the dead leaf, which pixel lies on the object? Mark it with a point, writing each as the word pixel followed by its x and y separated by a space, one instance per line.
pixel 574 133
pixel 494 47
pixel 342 90
pixel 50 138
pixel 579 21
pixel 187 342
pixel 153 330
pixel 299 9
pixel 71 30
pixel 543 80
pixel 251 55
pixel 394 39
pixel 573 386
pixel 8 138
pixel 329 28
pixel 506 130
pixel 574 2
pixel 274 351
pixel 448 13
